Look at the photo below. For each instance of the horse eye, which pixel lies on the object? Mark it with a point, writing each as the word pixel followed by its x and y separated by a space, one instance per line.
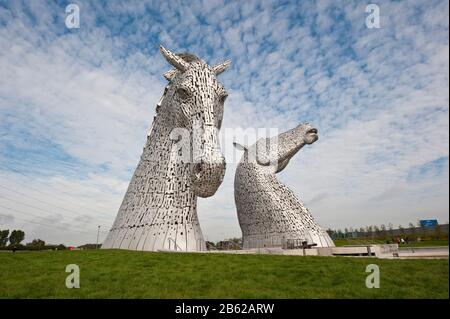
pixel 183 93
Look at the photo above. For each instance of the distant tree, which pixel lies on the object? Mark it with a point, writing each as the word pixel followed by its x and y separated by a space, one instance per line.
pixel 4 237
pixel 39 243
pixel 16 237
pixel 376 230
pixel 391 229
pixel 437 232
pixel 236 242
pixel 401 230
pixel 333 233
pixel 369 231
pixel 345 232
pixel 351 232
pixel 412 229
pixel 89 246
pixel 361 231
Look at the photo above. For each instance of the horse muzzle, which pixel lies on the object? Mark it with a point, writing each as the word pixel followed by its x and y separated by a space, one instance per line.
pixel 207 177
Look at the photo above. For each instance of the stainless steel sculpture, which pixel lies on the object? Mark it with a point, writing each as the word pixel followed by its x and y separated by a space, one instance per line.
pixel 180 161
pixel 269 213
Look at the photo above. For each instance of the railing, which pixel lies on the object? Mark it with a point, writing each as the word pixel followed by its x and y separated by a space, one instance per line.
pixel 296 243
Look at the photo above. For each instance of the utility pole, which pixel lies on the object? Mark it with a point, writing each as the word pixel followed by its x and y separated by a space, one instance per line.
pixel 98 233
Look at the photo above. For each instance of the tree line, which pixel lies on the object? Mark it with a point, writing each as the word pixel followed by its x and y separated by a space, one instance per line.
pixel 389 232
pixel 13 241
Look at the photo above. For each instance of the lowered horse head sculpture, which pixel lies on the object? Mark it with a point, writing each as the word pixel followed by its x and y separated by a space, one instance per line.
pixel 180 161
pixel 269 213
pixel 273 154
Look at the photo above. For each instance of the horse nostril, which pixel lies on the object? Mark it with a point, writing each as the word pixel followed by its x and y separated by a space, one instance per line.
pixel 198 168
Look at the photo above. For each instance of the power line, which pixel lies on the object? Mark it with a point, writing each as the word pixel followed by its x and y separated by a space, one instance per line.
pixel 39 159
pixel 61 191
pixel 31 206
pixel 15 170
pixel 52 227
pixel 38 208
pixel 41 201
pixel 49 194
pixel 40 223
pixel 36 216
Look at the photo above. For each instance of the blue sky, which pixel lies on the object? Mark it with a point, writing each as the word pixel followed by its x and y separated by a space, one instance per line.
pixel 76 104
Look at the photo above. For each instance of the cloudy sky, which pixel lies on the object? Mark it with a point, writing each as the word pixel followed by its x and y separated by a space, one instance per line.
pixel 76 105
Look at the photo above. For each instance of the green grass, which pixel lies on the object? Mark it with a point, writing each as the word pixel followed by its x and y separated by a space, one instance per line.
pixel 427 243
pixel 130 274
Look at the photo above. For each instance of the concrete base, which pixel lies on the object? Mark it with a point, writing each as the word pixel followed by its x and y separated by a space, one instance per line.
pixel 423 253
pixel 390 251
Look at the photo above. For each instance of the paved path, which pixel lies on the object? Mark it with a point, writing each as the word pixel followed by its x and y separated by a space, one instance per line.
pixel 423 252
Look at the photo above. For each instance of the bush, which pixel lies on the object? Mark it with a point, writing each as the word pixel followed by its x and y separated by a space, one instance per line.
pixel 34 248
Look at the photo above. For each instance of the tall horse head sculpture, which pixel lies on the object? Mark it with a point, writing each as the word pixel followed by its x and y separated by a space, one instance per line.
pixel 180 161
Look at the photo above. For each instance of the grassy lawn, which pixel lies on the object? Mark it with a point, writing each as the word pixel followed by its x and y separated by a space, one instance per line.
pixel 427 243
pixel 130 274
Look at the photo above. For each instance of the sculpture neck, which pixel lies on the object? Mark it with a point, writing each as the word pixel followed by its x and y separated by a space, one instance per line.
pixel 173 177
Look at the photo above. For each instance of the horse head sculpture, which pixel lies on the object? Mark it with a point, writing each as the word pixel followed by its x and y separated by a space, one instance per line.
pixel 269 213
pixel 180 161
pixel 197 99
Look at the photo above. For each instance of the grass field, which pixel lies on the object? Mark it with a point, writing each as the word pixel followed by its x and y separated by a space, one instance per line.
pixel 427 243
pixel 129 274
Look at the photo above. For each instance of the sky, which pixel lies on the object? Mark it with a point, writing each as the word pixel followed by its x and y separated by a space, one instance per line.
pixel 76 105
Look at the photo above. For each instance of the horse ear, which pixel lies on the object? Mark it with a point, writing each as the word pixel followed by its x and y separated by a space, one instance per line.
pixel 222 67
pixel 240 147
pixel 174 60
pixel 169 75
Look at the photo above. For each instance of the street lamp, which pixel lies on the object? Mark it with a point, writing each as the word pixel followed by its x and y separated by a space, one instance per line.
pixel 98 233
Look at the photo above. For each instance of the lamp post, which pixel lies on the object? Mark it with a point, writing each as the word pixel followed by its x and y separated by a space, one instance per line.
pixel 98 233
